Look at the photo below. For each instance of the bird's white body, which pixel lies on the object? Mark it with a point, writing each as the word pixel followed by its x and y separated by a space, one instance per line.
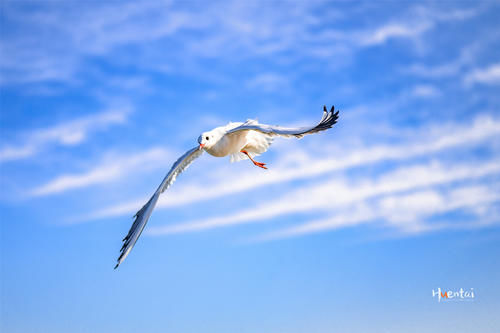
pixel 222 142
pixel 237 140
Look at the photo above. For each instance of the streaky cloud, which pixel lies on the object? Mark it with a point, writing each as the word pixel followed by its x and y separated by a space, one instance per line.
pixel 69 133
pixel 318 197
pixel 102 173
pixel 409 213
pixel 438 138
pixel 489 75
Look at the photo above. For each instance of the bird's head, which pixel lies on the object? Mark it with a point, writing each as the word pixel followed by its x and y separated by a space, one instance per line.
pixel 207 139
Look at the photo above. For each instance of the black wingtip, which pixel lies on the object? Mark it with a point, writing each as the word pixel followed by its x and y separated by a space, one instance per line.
pixel 329 119
pixel 117 266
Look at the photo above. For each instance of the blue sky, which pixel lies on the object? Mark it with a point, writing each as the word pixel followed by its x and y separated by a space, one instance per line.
pixel 349 230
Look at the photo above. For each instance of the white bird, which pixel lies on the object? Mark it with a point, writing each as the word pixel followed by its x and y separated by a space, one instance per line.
pixel 239 141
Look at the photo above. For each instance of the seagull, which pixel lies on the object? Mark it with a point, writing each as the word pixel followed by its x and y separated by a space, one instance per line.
pixel 238 140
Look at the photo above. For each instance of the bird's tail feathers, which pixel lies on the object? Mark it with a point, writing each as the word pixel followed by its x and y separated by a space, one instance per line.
pixel 236 157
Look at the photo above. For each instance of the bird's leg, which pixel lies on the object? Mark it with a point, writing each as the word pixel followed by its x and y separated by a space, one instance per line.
pixel 259 164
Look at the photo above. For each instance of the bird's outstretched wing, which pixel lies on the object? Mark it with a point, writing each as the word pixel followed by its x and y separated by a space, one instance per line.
pixel 142 216
pixel 326 122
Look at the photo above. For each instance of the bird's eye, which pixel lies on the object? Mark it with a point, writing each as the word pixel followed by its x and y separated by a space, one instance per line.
pixel 207 137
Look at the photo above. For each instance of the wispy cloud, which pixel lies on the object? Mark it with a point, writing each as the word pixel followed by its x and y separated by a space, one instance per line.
pixel 393 30
pixel 334 194
pixel 414 23
pixel 231 31
pixel 488 75
pixel 268 82
pixel 438 71
pixel 452 67
pixel 425 91
pixel 81 31
pixel 425 141
pixel 69 133
pixel 456 14
pixel 104 172
pixel 418 208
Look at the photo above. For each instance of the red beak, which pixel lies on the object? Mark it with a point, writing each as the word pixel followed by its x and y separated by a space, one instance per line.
pixel 202 145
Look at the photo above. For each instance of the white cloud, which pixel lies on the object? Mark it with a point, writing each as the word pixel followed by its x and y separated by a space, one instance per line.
pixel 425 91
pixel 9 153
pixel 407 213
pixel 268 82
pixel 104 172
pixel 439 71
pixel 449 14
pixel 305 165
pixel 226 30
pixel 70 133
pixel 413 24
pixel 406 208
pixel 333 194
pixel 393 30
pixel 489 75
pixel 68 34
pixel 453 67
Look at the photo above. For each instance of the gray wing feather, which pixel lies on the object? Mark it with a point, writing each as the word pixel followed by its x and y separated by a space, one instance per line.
pixel 142 216
pixel 327 121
